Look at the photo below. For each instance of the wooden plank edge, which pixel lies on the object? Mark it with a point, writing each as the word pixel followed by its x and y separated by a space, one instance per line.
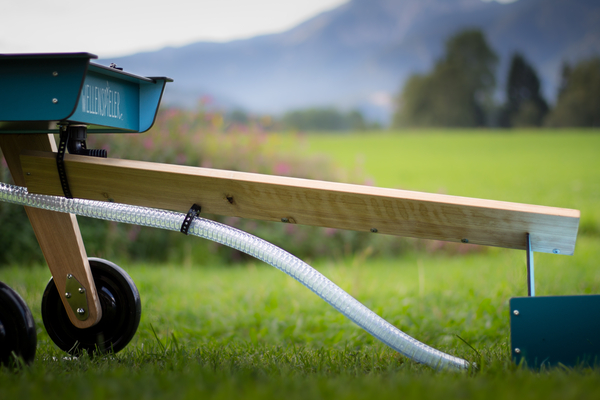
pixel 314 184
pixel 551 213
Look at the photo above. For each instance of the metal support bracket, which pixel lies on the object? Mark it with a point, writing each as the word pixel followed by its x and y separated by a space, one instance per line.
pixel 76 296
pixel 530 274
pixel 60 164
pixel 193 213
pixel 72 138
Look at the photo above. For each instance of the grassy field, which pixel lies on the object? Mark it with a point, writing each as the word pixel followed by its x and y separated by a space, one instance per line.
pixel 559 168
pixel 250 331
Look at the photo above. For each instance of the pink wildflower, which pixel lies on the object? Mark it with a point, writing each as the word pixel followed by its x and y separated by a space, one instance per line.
pixel 282 168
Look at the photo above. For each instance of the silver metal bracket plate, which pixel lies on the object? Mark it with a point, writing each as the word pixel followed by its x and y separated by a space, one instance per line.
pixel 76 296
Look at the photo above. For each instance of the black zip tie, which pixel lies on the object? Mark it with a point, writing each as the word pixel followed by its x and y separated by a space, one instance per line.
pixel 60 164
pixel 193 213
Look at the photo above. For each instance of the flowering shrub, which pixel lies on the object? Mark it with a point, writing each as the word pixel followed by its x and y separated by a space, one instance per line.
pixel 212 140
pixel 205 139
pixel 209 139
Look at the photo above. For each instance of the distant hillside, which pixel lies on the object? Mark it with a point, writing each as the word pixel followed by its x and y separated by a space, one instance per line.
pixel 359 54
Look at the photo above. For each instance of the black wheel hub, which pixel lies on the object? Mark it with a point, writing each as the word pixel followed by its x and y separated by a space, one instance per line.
pixel 18 336
pixel 121 312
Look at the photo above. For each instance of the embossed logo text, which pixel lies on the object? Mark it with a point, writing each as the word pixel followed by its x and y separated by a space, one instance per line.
pixel 101 101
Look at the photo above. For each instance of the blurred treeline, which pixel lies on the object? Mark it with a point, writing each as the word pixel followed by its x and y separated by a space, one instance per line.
pixel 462 91
pixel 326 119
pixel 204 139
pixel 459 91
pixel 306 119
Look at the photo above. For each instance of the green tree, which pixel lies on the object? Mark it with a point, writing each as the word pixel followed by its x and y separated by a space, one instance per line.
pixel 578 102
pixel 525 105
pixel 459 89
pixel 323 119
pixel 356 121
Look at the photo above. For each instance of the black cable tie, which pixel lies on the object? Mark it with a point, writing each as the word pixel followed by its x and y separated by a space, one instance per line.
pixel 60 163
pixel 193 213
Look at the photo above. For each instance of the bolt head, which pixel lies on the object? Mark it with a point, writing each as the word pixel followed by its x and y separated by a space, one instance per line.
pixel 374 230
pixel 55 100
pixel 69 276
pixel 516 312
pixel 68 295
pixel 285 220
pixel 464 240
pixel 81 290
pixel 556 251
pixel 80 311
pixel 517 350
pixel 55 73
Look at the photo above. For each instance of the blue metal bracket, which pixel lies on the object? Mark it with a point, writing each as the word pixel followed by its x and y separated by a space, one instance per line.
pixel 530 275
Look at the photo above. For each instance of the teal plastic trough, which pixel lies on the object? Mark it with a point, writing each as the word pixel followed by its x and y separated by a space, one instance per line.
pixel 547 331
pixel 40 92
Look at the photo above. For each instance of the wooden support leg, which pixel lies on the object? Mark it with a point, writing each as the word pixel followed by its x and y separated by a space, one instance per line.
pixel 57 233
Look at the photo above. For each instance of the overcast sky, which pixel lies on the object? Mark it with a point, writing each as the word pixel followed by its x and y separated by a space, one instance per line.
pixel 119 27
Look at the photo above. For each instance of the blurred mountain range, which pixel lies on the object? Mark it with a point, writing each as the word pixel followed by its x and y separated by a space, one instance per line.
pixel 359 54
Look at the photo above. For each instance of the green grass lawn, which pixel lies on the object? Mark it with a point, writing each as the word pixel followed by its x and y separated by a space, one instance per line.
pixel 250 331
pixel 558 168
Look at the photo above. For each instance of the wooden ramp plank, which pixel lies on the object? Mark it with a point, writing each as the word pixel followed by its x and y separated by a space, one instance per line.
pixel 307 202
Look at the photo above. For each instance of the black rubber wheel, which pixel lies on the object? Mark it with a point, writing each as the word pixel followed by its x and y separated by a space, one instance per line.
pixel 17 328
pixel 121 312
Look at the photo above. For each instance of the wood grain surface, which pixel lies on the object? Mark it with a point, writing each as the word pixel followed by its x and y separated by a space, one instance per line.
pixel 57 233
pixel 308 202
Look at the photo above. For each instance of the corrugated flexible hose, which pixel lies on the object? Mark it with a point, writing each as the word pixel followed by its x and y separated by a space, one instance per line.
pixel 256 247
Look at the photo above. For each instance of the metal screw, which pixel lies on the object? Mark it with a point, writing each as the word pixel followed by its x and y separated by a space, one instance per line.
pixel 464 240
pixel 374 230
pixel 55 73
pixel 81 311
pixel 516 312
pixel 81 290
pixel 517 350
pixel 68 295
pixel 556 251
pixel 28 173
pixel 286 220
pixel 69 276
pixel 55 100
